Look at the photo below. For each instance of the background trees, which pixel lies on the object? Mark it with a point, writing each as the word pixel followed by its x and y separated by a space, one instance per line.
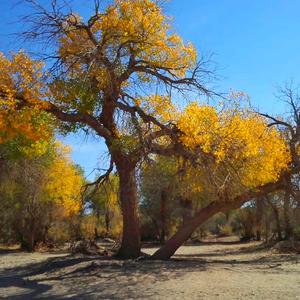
pixel 105 207
pixel 37 191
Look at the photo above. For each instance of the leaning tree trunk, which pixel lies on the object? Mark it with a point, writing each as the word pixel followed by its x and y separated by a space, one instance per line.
pixel 204 214
pixel 190 226
pixel 131 242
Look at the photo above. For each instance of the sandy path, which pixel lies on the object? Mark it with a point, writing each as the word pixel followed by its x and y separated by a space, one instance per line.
pixel 214 271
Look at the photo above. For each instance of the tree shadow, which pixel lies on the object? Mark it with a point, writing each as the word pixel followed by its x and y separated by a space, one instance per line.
pixel 245 249
pixel 17 277
pixel 262 258
pixel 102 277
pixel 78 275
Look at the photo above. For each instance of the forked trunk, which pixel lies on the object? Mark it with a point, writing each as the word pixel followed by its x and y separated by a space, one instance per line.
pixel 131 243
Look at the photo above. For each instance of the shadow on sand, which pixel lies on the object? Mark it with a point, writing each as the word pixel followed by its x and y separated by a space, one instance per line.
pixel 37 279
pixel 91 277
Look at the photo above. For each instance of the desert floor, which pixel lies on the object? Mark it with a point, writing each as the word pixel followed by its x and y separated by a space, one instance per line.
pixel 215 270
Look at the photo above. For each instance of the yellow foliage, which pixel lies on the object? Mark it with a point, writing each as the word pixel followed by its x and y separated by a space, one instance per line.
pixel 64 182
pixel 130 26
pixel 87 227
pixel 35 149
pixel 21 81
pixel 158 106
pixel 240 140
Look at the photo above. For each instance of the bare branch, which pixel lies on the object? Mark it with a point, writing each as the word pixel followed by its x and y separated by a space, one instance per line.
pixel 100 180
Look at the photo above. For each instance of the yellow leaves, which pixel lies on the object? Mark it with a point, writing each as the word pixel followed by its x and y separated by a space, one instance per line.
pixel 198 124
pixel 21 98
pixel 65 182
pixel 21 79
pixel 125 27
pixel 26 123
pixel 35 149
pixel 240 141
pixel 159 106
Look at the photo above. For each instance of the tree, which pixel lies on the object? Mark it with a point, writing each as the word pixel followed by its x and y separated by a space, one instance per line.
pixel 116 72
pixel 37 184
pixel 243 160
pixel 115 75
pixel 290 126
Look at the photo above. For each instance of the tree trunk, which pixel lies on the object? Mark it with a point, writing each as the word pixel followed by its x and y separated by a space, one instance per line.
pixel 163 215
pixel 187 209
pixel 259 213
pixel 204 214
pixel 190 226
pixel 277 218
pixel 28 240
pixel 286 211
pixel 107 223
pixel 131 242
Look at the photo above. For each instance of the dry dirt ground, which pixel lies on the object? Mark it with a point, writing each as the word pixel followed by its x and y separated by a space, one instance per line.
pixel 204 271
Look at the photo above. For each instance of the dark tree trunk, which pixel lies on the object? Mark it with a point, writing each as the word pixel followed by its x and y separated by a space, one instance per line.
pixel 183 234
pixel 277 218
pixel 259 213
pixel 187 209
pixel 96 233
pixel 277 221
pixel 131 242
pixel 107 223
pixel 286 211
pixel 163 215
pixel 28 237
pixel 267 229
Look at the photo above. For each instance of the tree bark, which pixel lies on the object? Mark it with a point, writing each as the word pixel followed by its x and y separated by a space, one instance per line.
pixel 190 226
pixel 107 223
pixel 183 234
pixel 259 214
pixel 187 209
pixel 277 218
pixel 163 215
pixel 131 241
pixel 287 216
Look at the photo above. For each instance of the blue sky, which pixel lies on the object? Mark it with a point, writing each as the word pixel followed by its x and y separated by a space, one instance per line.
pixel 256 46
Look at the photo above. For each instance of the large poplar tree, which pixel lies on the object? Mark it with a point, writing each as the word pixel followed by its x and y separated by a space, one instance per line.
pixel 113 74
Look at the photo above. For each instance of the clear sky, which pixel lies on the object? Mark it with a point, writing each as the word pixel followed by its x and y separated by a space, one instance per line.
pixel 256 45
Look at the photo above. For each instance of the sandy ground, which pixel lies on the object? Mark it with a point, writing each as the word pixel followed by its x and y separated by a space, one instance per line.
pixel 206 271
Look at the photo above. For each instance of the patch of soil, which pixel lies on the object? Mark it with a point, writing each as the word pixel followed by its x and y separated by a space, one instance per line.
pixel 205 271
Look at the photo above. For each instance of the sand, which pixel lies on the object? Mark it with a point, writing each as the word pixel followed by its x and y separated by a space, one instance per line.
pixel 204 271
